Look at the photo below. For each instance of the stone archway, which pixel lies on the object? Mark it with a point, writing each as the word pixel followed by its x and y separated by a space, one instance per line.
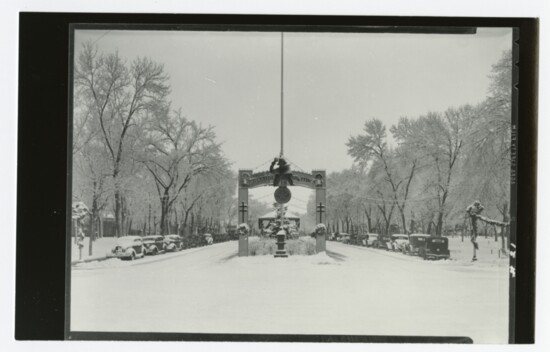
pixel 316 180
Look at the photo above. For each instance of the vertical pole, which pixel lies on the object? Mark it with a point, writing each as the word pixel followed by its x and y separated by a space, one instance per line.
pixel 243 202
pixel 282 124
pixel 281 236
pixel 320 199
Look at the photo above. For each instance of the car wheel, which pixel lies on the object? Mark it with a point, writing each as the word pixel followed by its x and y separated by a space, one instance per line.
pixel 155 251
pixel 133 256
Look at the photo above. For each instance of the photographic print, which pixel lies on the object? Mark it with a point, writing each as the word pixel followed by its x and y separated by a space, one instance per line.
pixel 275 181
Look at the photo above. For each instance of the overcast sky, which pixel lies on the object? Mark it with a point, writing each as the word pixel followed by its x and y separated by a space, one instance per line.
pixel 333 83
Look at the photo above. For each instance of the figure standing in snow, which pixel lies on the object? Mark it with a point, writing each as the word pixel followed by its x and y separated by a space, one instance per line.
pixel 281 173
pixel 474 211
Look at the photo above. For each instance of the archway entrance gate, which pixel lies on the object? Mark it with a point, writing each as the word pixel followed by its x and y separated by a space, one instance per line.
pixel 316 180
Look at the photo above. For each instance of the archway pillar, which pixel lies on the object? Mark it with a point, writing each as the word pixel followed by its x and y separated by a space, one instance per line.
pixel 320 207
pixel 242 207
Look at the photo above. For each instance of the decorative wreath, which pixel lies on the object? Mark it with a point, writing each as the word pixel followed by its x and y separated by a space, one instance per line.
pixel 244 229
pixel 320 228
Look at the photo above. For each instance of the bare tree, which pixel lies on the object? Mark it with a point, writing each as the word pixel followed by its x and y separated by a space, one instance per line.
pixel 177 151
pixel 399 166
pixel 117 96
pixel 440 138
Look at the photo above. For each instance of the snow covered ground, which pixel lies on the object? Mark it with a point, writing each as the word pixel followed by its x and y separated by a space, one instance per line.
pixel 350 291
pixel 100 247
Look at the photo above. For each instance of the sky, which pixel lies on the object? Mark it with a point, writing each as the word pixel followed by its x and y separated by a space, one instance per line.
pixel 332 84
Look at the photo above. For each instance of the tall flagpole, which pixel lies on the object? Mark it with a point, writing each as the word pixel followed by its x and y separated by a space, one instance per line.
pixel 282 124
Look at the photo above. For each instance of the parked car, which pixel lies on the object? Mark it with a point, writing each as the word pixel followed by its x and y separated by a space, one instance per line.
pixel 437 248
pixel 361 240
pixel 372 239
pixel 344 238
pixel 383 242
pixel 208 238
pixel 153 244
pixel 220 237
pixel 128 247
pixel 417 244
pixel 192 241
pixel 173 243
pixel 399 241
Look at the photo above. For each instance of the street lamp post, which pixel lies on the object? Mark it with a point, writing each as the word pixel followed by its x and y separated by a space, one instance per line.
pixel 281 235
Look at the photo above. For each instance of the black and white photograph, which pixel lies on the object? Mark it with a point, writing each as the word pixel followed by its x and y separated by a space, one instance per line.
pixel 289 181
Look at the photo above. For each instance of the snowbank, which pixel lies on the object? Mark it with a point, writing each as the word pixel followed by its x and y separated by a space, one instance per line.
pixel 292 260
pixel 100 248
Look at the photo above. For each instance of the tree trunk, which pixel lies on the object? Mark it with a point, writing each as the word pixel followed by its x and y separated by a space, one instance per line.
pixel 369 223
pixel 403 220
pixel 439 226
pixel 164 212
pixel 93 219
pixel 123 215
pixel 177 224
pixel 129 226
pixel 503 232
pixel 100 226
pixel 149 221
pixel 118 227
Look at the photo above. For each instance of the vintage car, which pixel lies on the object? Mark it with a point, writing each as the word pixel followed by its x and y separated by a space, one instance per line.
pixel 208 238
pixel 220 237
pixel 437 248
pixel 153 244
pixel 383 242
pixel 128 247
pixel 380 242
pixel 195 240
pixel 361 240
pixel 173 243
pixel 417 244
pixel 399 242
pixel 372 240
pixel 344 238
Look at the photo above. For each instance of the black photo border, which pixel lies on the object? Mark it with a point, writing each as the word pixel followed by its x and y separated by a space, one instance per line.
pixel 43 149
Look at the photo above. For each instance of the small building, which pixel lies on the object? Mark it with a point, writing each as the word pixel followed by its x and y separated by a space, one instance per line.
pixel 108 225
pixel 266 222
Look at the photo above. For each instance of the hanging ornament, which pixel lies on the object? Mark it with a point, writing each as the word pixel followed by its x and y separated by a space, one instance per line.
pixel 282 195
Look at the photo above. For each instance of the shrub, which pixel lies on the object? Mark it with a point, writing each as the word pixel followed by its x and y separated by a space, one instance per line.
pixel 267 246
pixel 301 246
pixel 261 246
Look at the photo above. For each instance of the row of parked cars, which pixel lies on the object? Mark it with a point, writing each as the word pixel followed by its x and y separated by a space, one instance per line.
pixel 133 247
pixel 423 245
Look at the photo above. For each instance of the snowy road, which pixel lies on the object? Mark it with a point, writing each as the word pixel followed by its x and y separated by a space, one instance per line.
pixel 355 291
